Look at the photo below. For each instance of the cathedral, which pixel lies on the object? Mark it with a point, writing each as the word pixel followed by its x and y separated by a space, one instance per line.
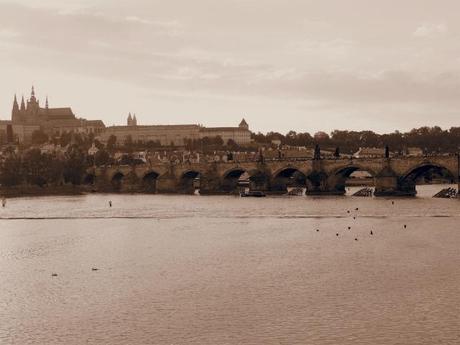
pixel 30 116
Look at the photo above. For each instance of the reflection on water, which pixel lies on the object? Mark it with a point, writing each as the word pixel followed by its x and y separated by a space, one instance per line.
pixel 225 270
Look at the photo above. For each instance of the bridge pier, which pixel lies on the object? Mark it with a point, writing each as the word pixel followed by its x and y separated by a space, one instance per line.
pixel 166 184
pixel 388 183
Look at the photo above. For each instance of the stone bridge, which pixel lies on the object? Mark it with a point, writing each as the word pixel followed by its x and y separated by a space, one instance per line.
pixel 392 176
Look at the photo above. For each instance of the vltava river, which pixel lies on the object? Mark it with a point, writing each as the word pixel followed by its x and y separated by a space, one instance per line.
pixel 229 270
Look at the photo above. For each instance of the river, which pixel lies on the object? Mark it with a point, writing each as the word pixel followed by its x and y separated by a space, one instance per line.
pixel 229 270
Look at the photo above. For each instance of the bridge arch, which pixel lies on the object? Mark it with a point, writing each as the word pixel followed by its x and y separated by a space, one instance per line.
pixel 412 175
pixel 339 177
pixel 256 179
pixel 149 181
pixel 117 180
pixel 288 177
pixel 89 179
pixel 189 181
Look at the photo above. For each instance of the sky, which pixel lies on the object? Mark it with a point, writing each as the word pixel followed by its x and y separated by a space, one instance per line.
pixel 302 65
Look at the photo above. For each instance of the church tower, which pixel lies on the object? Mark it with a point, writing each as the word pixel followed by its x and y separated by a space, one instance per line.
pixel 130 120
pixel 15 110
pixel 134 123
pixel 243 125
pixel 23 105
pixel 33 105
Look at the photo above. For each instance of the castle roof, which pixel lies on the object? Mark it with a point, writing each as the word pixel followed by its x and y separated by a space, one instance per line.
pixel 57 112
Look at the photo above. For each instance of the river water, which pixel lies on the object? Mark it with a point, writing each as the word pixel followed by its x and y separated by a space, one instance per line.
pixel 228 270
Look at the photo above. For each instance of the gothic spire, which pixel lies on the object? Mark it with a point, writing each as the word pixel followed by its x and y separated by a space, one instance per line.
pixel 23 104
pixel 15 104
pixel 32 94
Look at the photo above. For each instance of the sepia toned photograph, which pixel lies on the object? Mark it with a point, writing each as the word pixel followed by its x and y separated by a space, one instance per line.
pixel 229 172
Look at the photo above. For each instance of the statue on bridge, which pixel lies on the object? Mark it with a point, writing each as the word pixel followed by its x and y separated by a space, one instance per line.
pixel 387 151
pixel 317 155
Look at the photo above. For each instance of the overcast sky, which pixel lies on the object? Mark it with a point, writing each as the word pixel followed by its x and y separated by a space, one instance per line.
pixel 306 65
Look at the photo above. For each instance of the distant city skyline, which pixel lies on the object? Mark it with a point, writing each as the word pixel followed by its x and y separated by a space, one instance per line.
pixel 310 66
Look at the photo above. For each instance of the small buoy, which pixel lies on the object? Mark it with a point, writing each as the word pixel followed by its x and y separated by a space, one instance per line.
pixel 348 211
pixel 372 232
pixel 349 228
pixel 392 202
pixel 54 275
pixel 110 203
pixel 354 217
pixel 356 209
pixel 317 230
pixel 337 234
pixel 356 239
pixel 405 226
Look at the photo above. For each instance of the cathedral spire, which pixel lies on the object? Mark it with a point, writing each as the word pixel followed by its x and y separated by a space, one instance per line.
pixel 23 104
pixel 46 103
pixel 32 95
pixel 134 120
pixel 15 104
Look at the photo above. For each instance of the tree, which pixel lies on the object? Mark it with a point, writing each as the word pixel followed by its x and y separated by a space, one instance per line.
pixel 10 172
pixel 74 167
pixel 102 157
pixel 35 166
pixel 111 142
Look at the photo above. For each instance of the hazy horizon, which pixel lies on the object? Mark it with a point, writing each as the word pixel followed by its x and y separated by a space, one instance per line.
pixel 305 66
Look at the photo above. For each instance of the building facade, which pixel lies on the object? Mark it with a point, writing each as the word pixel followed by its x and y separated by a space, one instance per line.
pixel 30 117
pixel 174 135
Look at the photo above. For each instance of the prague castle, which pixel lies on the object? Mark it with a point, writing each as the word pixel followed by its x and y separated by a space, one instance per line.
pixel 176 135
pixel 29 117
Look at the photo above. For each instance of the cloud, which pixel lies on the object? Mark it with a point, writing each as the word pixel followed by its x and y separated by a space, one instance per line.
pixel 431 30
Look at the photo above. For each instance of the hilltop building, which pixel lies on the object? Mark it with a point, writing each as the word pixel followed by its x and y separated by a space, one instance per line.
pixel 29 117
pixel 176 135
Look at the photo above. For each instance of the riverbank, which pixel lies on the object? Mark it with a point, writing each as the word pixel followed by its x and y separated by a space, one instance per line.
pixel 28 191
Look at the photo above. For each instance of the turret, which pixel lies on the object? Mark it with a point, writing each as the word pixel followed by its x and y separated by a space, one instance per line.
pixel 130 120
pixel 134 120
pixel 243 124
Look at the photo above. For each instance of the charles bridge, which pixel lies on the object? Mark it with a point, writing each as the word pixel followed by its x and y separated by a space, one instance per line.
pixel 392 176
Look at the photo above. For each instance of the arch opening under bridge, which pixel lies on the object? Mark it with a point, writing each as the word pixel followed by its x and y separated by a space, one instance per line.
pixel 352 176
pixel 426 173
pixel 238 179
pixel 117 181
pixel 149 182
pixel 190 182
pixel 289 179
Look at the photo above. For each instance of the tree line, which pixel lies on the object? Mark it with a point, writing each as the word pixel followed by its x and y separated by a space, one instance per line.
pixel 429 139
